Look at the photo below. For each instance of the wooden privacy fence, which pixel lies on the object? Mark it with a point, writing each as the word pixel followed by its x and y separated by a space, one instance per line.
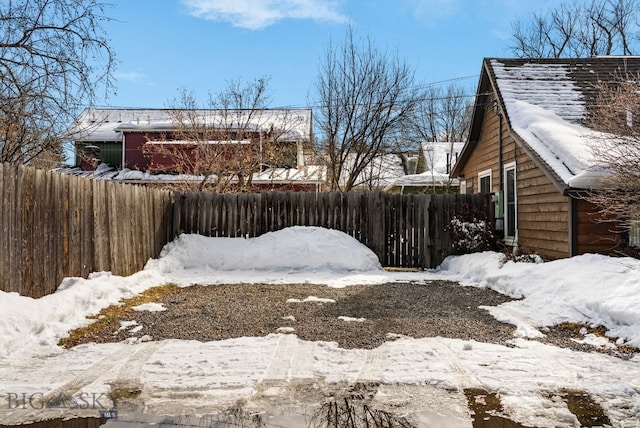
pixel 408 231
pixel 54 226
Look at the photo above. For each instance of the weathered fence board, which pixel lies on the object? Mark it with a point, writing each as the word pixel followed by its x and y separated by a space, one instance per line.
pixel 53 226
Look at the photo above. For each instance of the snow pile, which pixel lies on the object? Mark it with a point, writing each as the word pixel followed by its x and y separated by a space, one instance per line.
pixel 41 323
pixel 591 288
pixel 291 249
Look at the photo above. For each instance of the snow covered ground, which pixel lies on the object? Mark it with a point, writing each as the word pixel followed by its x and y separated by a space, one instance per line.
pixel 413 375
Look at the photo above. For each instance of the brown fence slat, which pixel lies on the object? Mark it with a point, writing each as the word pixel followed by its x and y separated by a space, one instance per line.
pixel 49 232
pixel 62 197
pixel 40 224
pixel 26 192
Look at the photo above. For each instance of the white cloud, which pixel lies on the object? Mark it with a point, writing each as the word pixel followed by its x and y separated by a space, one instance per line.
pixel 257 14
pixel 130 76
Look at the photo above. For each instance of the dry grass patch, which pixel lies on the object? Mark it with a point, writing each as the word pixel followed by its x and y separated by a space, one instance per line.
pixel 576 330
pixel 110 317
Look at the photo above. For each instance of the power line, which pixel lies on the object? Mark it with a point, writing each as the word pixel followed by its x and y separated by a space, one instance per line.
pixel 313 104
pixel 318 104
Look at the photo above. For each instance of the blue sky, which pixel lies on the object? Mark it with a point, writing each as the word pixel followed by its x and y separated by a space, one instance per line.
pixel 164 45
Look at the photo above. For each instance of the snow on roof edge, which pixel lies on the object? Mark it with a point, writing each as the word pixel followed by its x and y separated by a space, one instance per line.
pixel 546 120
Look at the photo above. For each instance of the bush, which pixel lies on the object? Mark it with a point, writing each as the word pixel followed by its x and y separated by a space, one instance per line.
pixel 471 232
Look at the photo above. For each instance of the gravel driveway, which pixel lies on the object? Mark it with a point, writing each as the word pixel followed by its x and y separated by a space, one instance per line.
pixel 358 316
pixel 362 316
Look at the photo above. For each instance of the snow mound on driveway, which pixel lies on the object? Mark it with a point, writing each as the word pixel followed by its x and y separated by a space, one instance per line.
pixel 294 248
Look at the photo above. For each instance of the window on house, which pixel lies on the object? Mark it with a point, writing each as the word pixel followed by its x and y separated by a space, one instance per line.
pixel 469 188
pixel 109 152
pixel 484 180
pixel 510 203
pixel 283 155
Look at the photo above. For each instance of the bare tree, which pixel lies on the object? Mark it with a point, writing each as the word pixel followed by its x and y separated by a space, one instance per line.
pixel 54 57
pixel 222 144
pixel 442 114
pixel 365 96
pixel 579 29
pixel 442 117
pixel 618 149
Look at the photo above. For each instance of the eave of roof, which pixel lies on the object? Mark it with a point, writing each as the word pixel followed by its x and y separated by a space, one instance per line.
pixel 540 163
pixel 582 75
pixel 477 118
pixel 108 123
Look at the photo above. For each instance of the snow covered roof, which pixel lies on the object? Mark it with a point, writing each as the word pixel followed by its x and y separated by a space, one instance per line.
pixel 439 158
pixel 546 102
pixel 379 173
pixel 101 124
pixel 424 179
pixel 309 174
pixel 106 124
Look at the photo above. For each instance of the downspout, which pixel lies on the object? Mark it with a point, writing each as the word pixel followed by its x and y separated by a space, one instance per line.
pixel 499 211
pixel 123 149
pixel 573 225
pixel 500 160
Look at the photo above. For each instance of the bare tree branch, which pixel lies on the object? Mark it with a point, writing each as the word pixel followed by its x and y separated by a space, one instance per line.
pixel 578 29
pixel 222 145
pixel 366 96
pixel 618 117
pixel 54 59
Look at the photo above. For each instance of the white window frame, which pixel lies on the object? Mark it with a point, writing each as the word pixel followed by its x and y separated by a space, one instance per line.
pixel 510 239
pixel 463 187
pixel 484 174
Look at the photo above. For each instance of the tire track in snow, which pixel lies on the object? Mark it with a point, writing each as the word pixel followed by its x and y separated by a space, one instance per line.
pixel 281 361
pixel 131 361
pixel 303 360
pixel 87 377
pixel 130 372
pixel 464 377
pixel 293 359
pixel 374 365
